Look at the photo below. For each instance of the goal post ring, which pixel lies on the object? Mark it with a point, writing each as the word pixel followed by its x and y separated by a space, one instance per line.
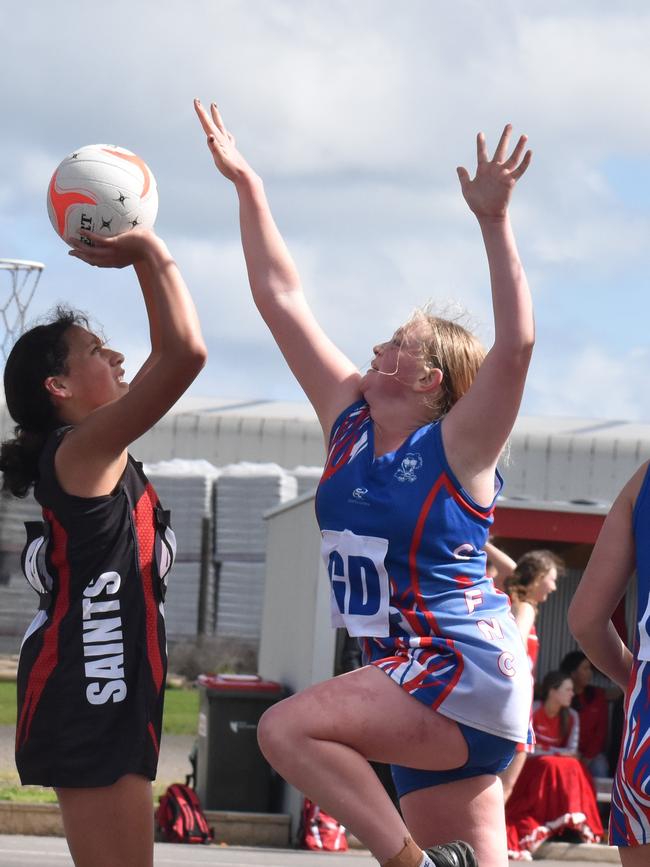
pixel 19 264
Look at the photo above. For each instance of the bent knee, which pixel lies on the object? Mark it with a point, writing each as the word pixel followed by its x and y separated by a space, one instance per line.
pixel 274 730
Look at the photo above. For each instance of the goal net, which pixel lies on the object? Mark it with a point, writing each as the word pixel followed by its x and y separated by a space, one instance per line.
pixel 18 281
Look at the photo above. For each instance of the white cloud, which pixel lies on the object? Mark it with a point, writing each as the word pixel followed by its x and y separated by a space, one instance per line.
pixel 592 383
pixel 595 241
pixel 586 76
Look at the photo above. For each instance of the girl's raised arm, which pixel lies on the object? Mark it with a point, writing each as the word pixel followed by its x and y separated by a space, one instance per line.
pixel 492 402
pixel 329 379
pixel 92 455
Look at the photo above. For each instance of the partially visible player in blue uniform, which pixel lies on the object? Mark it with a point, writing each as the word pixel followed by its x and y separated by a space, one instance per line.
pixel 623 550
pixel 404 505
pixel 91 675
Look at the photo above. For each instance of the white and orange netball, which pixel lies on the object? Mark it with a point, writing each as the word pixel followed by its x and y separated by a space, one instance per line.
pixel 102 188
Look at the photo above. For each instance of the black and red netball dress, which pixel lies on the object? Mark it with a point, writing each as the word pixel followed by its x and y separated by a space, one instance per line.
pixel 93 662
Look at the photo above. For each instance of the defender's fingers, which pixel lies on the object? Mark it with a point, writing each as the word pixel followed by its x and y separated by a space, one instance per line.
pixel 218 146
pixel 481 148
pixel 216 117
pixel 502 147
pixel 521 168
pixel 463 176
pixel 516 155
pixel 204 117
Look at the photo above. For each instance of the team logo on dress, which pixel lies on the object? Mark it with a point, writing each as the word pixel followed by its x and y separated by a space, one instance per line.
pixel 406 471
pixel 359 493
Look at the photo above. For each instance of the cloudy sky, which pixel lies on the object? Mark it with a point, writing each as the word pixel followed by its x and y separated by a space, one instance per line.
pixel 356 114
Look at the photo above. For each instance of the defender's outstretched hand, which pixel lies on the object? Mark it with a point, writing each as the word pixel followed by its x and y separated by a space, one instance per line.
pixel 488 194
pixel 221 143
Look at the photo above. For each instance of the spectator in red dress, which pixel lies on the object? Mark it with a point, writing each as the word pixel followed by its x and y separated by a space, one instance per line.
pixel 591 704
pixel 554 794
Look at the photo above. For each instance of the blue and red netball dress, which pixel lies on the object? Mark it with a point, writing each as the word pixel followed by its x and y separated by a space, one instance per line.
pixel 629 823
pixel 93 662
pixel 532 650
pixel 403 543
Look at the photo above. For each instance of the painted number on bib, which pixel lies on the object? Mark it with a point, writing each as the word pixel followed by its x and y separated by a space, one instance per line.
pixel 359 582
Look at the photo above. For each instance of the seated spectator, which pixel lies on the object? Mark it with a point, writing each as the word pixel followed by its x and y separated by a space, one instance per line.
pixel 530 582
pixel 556 724
pixel 553 795
pixel 591 704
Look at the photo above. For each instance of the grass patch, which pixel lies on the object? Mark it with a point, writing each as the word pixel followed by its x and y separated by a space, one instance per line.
pixel 181 712
pixel 11 790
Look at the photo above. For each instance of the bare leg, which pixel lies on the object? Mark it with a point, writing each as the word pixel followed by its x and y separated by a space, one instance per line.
pixel 109 825
pixel 321 740
pixel 470 810
pixel 511 773
pixel 634 856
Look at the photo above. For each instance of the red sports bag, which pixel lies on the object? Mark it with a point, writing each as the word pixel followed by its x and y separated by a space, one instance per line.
pixel 321 831
pixel 180 817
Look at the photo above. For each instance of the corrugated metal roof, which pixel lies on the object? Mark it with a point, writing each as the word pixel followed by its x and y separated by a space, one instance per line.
pixel 578 462
pixel 260 408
